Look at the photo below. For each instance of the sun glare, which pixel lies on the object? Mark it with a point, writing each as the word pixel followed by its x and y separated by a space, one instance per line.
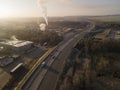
pixel 5 11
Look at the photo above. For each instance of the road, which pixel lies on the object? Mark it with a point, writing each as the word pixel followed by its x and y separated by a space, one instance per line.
pixel 45 78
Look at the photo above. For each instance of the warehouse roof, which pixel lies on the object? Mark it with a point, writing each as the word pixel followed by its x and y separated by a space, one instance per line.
pixel 15 43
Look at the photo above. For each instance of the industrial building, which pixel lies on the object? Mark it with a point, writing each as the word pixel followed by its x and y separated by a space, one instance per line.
pixel 16 45
pixel 4 61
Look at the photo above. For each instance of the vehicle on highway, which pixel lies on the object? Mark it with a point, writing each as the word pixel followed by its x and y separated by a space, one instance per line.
pixel 43 64
pixel 53 57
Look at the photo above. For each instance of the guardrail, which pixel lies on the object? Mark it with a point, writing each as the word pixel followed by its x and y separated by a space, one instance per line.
pixel 28 75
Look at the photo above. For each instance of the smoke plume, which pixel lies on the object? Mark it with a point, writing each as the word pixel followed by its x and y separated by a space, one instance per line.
pixel 42 4
pixel 42 27
pixel 14 38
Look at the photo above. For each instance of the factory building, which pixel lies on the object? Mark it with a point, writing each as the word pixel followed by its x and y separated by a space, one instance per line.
pixel 4 61
pixel 16 45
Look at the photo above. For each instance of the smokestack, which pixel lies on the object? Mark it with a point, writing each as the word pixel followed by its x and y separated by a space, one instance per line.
pixel 42 4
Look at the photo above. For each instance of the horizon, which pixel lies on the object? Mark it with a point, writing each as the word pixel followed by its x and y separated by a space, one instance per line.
pixel 60 16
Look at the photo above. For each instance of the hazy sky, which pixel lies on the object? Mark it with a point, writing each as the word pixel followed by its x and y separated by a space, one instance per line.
pixel 28 8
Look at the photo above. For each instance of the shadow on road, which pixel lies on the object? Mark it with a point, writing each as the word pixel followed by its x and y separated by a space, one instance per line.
pixel 51 69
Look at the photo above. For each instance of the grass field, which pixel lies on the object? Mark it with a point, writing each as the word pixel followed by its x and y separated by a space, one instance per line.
pixel 107 18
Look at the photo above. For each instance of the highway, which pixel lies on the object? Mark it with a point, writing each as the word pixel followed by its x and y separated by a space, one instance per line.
pixel 51 77
pixel 45 78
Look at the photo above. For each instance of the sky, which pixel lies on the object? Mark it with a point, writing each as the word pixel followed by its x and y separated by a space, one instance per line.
pixel 31 8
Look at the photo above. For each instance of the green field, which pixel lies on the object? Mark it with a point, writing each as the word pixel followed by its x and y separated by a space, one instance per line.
pixel 107 18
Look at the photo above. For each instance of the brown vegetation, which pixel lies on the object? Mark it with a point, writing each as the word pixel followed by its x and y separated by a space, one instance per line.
pixel 107 25
pixel 28 29
pixel 98 67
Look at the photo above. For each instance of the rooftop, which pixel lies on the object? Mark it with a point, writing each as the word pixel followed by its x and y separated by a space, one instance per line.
pixel 15 43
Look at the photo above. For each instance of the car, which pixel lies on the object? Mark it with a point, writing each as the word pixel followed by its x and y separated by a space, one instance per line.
pixel 53 57
pixel 43 64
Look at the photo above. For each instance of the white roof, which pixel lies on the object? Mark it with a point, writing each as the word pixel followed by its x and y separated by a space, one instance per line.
pixel 16 43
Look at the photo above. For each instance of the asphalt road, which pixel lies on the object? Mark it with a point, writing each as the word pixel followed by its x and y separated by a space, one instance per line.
pixel 52 75
pixel 45 78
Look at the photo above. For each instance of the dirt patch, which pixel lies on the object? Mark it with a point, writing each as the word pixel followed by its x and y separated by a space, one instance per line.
pixel 4 78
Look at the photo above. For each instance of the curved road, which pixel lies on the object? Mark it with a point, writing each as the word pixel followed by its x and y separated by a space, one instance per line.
pixel 45 78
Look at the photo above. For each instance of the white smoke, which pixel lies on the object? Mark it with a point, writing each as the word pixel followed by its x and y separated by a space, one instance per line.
pixel 42 4
pixel 14 38
pixel 1 48
pixel 42 27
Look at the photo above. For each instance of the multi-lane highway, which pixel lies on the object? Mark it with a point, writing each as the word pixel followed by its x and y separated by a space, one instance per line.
pixel 45 77
pixel 51 77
